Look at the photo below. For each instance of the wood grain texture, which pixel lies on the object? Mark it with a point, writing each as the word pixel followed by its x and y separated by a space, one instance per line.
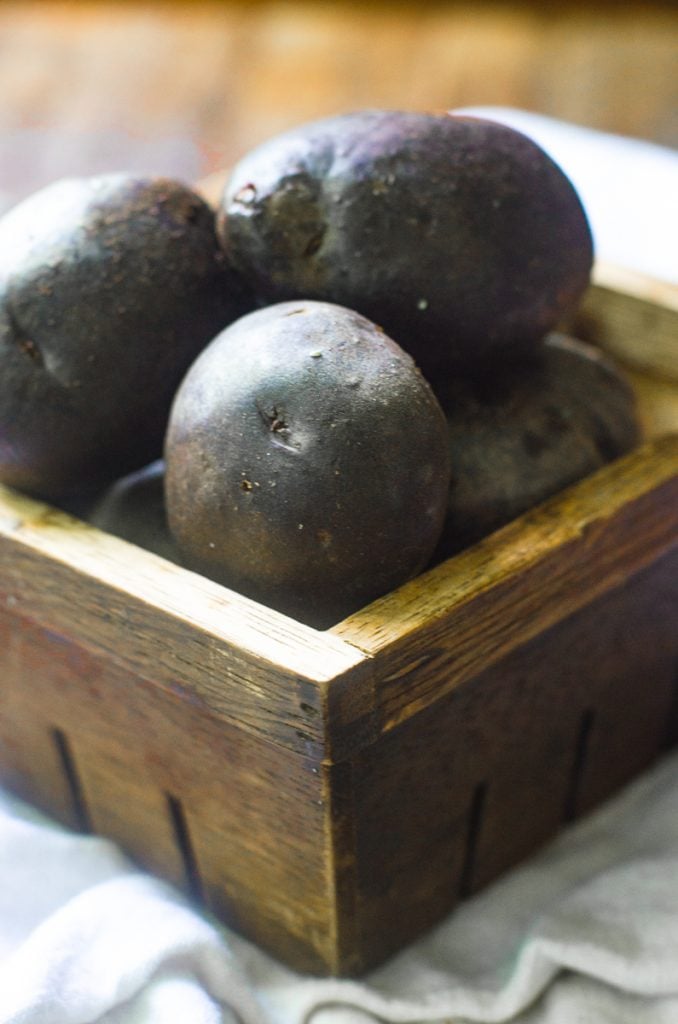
pixel 237 659
pixel 656 403
pixel 254 813
pixel 441 629
pixel 228 74
pixel 634 317
pixel 475 782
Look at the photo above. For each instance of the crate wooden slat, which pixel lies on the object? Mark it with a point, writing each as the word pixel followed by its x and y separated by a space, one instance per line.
pixel 634 317
pixel 333 794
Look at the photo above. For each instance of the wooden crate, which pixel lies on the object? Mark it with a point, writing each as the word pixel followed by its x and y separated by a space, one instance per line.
pixel 333 794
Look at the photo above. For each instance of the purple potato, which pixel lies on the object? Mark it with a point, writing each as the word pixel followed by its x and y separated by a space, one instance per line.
pixel 458 235
pixel 133 508
pixel 109 288
pixel 520 436
pixel 307 463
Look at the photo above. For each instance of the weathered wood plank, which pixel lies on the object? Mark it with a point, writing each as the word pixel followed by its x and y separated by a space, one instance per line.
pixel 452 622
pixel 632 316
pixel 474 782
pixel 233 818
pixel 179 630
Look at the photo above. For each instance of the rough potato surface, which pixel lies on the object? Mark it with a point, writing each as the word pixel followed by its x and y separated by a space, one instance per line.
pixel 458 235
pixel 109 287
pixel 307 461
pixel 520 436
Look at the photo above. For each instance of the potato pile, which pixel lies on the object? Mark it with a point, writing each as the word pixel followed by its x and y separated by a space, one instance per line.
pixel 351 371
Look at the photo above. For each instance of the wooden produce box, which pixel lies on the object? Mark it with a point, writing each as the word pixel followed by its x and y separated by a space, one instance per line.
pixel 331 795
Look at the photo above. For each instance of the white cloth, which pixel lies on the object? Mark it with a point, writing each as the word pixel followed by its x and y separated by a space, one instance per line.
pixel 584 933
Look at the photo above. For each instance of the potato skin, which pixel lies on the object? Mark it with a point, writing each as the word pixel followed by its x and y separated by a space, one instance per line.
pixel 133 508
pixel 109 287
pixel 458 235
pixel 518 437
pixel 307 462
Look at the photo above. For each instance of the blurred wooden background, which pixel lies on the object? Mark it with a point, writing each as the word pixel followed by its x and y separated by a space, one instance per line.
pixel 185 88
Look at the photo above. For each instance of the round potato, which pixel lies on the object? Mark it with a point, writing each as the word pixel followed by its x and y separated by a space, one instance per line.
pixel 109 288
pixel 458 235
pixel 307 462
pixel 520 436
pixel 133 508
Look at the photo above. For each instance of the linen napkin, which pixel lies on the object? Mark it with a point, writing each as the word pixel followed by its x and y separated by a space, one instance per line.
pixel 83 933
